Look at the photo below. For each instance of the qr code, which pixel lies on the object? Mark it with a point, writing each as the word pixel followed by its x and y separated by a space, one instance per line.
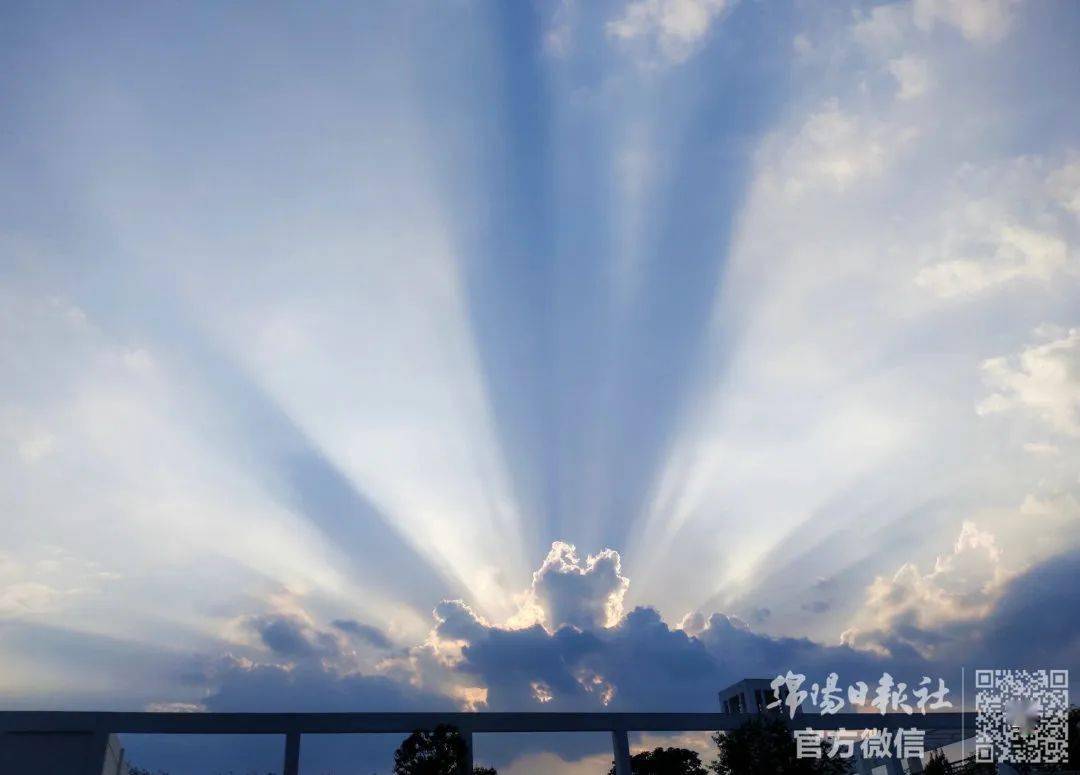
pixel 1022 716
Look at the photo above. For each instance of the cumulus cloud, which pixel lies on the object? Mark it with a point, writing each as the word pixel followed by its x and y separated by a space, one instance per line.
pixel 27 597
pixel 912 74
pixel 1042 381
pixel 582 652
pixel 1009 252
pixel 888 209
pixel 1005 223
pixel 560 28
pixel 693 623
pixel 914 624
pixel 834 149
pixel 639 661
pixel 1030 625
pixel 566 590
pixel 883 27
pixel 982 21
pixel 671 29
pixel 888 27
pixel 894 36
pixel 827 354
pixel 364 633
pixel 47 579
pixel 240 684
pixel 1023 627
pixel 976 597
pixel 292 637
pixel 642 663
pixel 1064 186
pixel 908 607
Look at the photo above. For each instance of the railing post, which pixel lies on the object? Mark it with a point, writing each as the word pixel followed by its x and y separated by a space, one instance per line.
pixel 467 737
pixel 292 754
pixel 621 742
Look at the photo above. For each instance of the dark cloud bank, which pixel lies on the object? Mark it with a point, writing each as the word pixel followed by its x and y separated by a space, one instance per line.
pixel 640 663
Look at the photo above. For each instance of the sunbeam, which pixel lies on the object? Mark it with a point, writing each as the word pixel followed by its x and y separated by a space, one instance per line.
pixel 526 356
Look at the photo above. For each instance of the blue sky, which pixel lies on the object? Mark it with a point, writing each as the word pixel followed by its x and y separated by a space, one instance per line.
pixel 330 313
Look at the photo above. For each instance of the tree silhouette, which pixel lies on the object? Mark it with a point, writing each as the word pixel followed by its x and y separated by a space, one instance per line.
pixel 971 767
pixel 938 765
pixel 441 751
pixel 1074 738
pixel 765 744
pixel 665 761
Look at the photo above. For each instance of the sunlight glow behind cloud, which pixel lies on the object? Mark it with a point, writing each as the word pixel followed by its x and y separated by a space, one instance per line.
pixel 314 321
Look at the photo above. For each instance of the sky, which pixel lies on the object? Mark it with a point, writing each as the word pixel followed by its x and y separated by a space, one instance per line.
pixel 539 355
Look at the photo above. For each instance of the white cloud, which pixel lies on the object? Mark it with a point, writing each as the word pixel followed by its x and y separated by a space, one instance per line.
pixel 982 21
pixel 863 212
pixel 835 149
pixel 887 28
pixel 1043 381
pixel 641 659
pixel 694 623
pixel 566 590
pixel 27 597
pixel 1054 519
pixel 1003 223
pixel 45 579
pixel 560 30
pixel 175 707
pixel 894 35
pixel 674 28
pixel 641 662
pixel 912 74
pixel 883 28
pixel 1064 186
pixel 1010 252
pixel 359 328
pixel 963 585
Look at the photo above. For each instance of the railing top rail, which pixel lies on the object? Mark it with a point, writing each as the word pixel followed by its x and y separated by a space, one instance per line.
pixel 346 723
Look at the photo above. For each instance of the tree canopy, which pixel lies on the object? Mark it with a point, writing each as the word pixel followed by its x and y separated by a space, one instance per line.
pixel 665 761
pixel 441 751
pixel 765 744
